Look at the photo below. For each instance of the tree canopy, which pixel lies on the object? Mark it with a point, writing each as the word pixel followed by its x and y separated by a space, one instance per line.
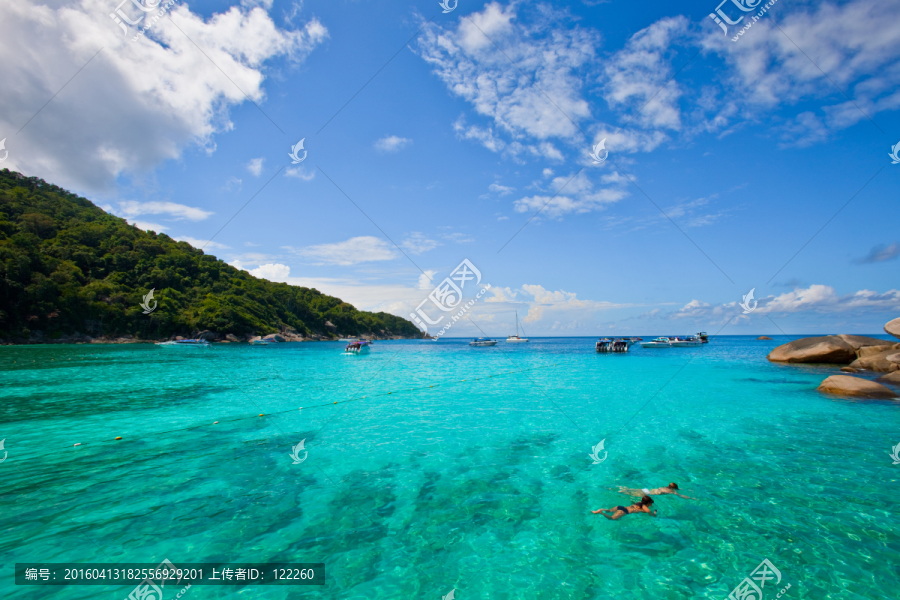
pixel 68 267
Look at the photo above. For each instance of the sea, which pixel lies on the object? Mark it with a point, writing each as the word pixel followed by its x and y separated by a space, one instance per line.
pixel 437 470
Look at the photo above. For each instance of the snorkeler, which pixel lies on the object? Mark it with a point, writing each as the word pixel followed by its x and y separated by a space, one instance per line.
pixel 617 512
pixel 669 489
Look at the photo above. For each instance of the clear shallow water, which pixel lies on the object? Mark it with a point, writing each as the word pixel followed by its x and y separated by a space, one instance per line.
pixel 482 485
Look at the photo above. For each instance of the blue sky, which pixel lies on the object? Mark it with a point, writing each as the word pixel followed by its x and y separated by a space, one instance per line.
pixel 726 157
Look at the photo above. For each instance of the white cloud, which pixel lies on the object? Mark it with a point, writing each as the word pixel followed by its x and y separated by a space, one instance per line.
pixel 501 189
pixel 392 143
pixel 266 4
pixel 426 279
pixel 132 208
pixel 417 243
pixel 300 173
pixel 472 67
pixel 273 272
pixel 458 238
pixel 816 298
pixel 639 71
pixel 255 166
pixel 147 226
pixel 138 103
pixel 350 252
pixel 200 243
pixel 880 253
pixel 578 196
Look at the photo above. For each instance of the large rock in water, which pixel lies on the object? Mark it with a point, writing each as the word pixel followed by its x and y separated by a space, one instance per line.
pixel 861 341
pixel 877 358
pixel 826 349
pixel 893 328
pixel 844 385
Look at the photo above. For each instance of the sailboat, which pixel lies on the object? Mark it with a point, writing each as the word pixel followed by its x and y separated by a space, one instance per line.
pixel 516 338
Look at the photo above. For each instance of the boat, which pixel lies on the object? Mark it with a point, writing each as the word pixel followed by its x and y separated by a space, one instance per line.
pixel 516 338
pixel 357 347
pixel 704 338
pixel 660 342
pixel 260 342
pixel 679 342
pixel 613 345
pixel 483 342
pixel 185 344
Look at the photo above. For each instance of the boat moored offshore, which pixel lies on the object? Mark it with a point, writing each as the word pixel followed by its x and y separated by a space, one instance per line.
pixel 483 342
pixel 516 338
pixel 613 345
pixel 357 347
pixel 660 342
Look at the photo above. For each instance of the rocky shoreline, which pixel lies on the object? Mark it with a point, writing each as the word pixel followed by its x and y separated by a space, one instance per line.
pixel 210 336
pixel 858 354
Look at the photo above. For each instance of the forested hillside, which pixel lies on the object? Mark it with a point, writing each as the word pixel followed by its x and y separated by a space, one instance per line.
pixel 69 268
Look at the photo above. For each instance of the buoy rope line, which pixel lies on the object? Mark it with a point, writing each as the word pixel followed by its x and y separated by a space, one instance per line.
pixel 355 399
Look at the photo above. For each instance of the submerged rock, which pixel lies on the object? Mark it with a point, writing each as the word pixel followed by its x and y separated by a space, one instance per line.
pixel 764 337
pixel 844 385
pixel 827 349
pixel 891 378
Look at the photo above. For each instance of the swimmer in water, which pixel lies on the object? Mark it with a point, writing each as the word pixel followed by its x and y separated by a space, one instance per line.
pixel 617 512
pixel 669 489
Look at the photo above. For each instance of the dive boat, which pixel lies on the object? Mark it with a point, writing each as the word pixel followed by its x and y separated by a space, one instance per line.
pixel 185 344
pixel 610 345
pixel 679 342
pixel 483 342
pixel 357 347
pixel 704 338
pixel 660 342
pixel 516 338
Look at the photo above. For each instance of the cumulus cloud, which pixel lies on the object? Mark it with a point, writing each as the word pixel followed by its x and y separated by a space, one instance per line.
pixel 137 103
pixel 392 143
pixel 514 98
pixel 273 272
pixel 300 173
pixel 502 190
pixel 350 252
pixel 816 299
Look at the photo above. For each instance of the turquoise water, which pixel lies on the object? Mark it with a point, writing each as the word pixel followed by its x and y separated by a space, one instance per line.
pixel 481 483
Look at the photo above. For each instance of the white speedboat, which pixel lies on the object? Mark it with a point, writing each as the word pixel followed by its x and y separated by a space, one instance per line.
pixel 483 342
pixel 260 342
pixel 660 342
pixel 679 342
pixel 357 347
pixel 516 338
pixel 185 344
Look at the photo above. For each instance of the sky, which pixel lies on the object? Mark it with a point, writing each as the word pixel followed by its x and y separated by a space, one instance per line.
pixel 755 158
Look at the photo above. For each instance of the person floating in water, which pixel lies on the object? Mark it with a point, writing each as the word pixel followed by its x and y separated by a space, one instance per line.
pixel 617 512
pixel 669 489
